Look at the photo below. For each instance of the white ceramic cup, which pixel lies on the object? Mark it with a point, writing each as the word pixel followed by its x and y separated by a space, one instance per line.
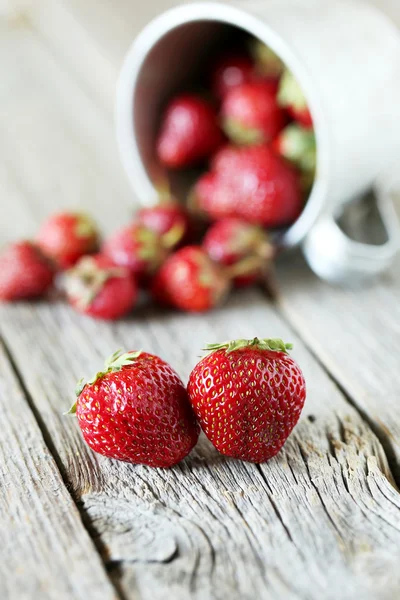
pixel 346 56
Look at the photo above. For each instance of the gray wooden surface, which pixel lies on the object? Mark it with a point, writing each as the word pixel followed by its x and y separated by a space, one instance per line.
pixel 321 520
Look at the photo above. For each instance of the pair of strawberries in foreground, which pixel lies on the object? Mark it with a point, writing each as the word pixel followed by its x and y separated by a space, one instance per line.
pixel 247 395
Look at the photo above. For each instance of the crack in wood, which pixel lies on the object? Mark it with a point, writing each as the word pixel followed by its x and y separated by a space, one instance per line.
pixel 328 514
pixel 197 511
pixel 382 433
pixel 43 533
pixel 53 452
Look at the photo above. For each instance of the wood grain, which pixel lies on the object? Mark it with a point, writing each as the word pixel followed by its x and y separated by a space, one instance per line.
pixel 355 333
pixel 57 145
pixel 46 550
pixel 320 520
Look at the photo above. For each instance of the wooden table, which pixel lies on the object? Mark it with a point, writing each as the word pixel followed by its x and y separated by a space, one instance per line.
pixel 319 521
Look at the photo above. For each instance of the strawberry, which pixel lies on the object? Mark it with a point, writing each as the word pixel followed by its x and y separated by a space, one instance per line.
pixel 189 132
pixel 297 144
pixel 252 183
pixel 137 248
pixel 250 113
pixel 233 241
pixel 191 281
pixel 291 97
pixel 96 287
pixel 267 63
pixel 210 198
pixel 169 219
pixel 224 159
pixel 65 237
pixel 230 70
pixel 248 396
pixel 137 410
pixel 25 272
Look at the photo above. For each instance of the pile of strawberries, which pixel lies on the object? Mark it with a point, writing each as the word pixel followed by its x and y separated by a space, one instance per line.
pixel 253 133
pixel 255 144
pixel 246 395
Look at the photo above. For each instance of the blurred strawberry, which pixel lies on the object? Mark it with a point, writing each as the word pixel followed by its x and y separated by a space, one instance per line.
pixel 137 248
pixel 169 219
pixel 255 184
pixel 67 236
pixel 250 113
pixel 233 241
pixel 210 199
pixel 96 287
pixel 230 70
pixel 189 132
pixel 297 144
pixel 25 272
pixel 191 281
pixel 291 97
pixel 224 159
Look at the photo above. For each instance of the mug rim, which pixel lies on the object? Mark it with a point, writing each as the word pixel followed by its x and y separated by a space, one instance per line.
pixel 178 16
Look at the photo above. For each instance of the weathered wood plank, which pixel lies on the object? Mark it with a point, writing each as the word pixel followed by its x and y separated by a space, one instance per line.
pixel 355 333
pixel 103 31
pixel 320 520
pixel 46 550
pixel 57 145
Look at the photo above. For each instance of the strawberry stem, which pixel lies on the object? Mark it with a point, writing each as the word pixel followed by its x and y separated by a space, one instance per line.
pixel 274 344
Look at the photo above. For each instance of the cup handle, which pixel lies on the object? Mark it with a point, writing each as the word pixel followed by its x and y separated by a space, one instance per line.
pixel 335 257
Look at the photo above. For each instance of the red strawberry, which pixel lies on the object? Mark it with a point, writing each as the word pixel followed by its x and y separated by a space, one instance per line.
pixel 297 144
pixel 224 159
pixel 210 198
pixel 24 272
pixel 137 248
pixel 65 237
pixel 189 132
pixel 137 410
pixel 96 287
pixel 191 281
pixel 250 113
pixel 233 241
pixel 255 185
pixel 248 396
pixel 230 70
pixel 291 97
pixel 169 219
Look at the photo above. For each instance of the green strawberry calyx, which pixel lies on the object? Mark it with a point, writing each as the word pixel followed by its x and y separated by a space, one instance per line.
pixel 290 92
pixel 86 279
pixel 299 146
pixel 242 135
pixel 173 236
pixel 112 364
pixel 85 227
pixel 275 344
pixel 267 62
